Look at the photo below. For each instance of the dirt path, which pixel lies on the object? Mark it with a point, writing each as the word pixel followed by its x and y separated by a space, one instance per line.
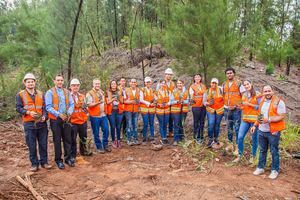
pixel 141 173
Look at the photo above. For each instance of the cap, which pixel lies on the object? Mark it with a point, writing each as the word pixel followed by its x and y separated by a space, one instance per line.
pixel 75 81
pixel 29 76
pixel 148 79
pixel 169 71
pixel 214 80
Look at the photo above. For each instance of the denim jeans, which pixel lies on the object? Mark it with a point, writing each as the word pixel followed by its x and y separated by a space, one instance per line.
pixel 115 121
pixel 148 119
pixel 244 128
pixel 214 121
pixel 163 122
pixel 233 120
pixel 178 126
pixel 265 139
pixel 131 126
pixel 97 123
pixel 61 133
pixel 199 120
pixel 171 124
pixel 81 130
pixel 33 136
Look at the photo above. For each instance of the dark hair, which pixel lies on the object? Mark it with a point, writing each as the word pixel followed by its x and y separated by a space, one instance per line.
pixel 229 69
pixel 111 83
pixel 197 75
pixel 122 77
pixel 181 80
pixel 266 86
pixel 58 75
pixel 252 91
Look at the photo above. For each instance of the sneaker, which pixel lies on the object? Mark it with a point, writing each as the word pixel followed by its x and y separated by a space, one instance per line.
pixel 237 159
pixel 107 149
pixel 129 143
pixel 199 141
pixel 216 141
pixel 60 165
pixel 87 153
pixel 114 144
pixel 175 143
pixel 33 168
pixel 274 174
pixel 46 166
pixel 73 159
pixel 136 142
pixel 210 143
pixel 164 141
pixel 152 140
pixel 258 171
pixel 119 144
pixel 70 163
pixel 101 151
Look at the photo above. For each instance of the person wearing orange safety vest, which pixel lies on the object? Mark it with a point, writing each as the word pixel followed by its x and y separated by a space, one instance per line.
pixel 162 110
pixel 232 93
pixel 197 91
pixel 79 121
pixel 115 109
pixel 131 108
pixel 96 103
pixel 147 109
pixel 122 89
pixel 31 105
pixel 179 109
pixel 270 123
pixel 213 100
pixel 250 103
pixel 60 106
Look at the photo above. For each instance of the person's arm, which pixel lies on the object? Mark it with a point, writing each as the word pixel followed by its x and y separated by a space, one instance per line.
pixel 19 105
pixel 191 91
pixel 281 110
pixel 49 106
pixel 242 89
pixel 45 113
pixel 142 99
pixel 90 102
pixel 71 105
pixel 186 101
pixel 205 103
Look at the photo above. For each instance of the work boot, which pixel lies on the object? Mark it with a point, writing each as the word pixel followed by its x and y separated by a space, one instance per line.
pixel 107 149
pixel 33 168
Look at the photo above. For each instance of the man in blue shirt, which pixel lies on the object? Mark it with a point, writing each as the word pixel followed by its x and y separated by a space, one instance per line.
pixel 60 106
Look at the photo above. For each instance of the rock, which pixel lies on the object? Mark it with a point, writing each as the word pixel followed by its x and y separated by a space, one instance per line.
pixel 129 158
pixel 250 65
pixel 157 147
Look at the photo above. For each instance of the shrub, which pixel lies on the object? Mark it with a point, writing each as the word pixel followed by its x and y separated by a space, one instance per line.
pixel 270 69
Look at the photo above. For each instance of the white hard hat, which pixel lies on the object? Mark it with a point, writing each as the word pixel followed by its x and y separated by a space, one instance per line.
pixel 29 76
pixel 75 81
pixel 148 79
pixel 169 71
pixel 214 80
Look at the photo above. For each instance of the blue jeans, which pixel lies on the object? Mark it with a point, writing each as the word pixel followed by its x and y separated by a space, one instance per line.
pixel 233 120
pixel 115 121
pixel 163 122
pixel 244 128
pixel 97 123
pixel 265 139
pixel 171 123
pixel 214 121
pixel 199 120
pixel 131 125
pixel 178 126
pixel 33 136
pixel 148 119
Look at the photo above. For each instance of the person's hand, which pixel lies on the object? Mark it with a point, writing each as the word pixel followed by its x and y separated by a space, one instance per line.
pixel 207 104
pixel 43 119
pixel 63 117
pixel 252 129
pixel 33 114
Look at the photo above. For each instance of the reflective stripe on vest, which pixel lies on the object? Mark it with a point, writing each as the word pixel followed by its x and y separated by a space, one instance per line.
pixel 149 97
pixel 198 94
pixel 31 105
pixel 78 116
pixel 232 95
pixel 249 114
pixel 55 101
pixel 95 111
pixel 218 105
pixel 130 96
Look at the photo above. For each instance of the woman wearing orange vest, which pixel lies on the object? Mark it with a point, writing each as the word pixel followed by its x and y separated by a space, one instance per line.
pixel 179 109
pixel 132 104
pixel 213 100
pixel 250 102
pixel 196 91
pixel 30 104
pixel 79 121
pixel 162 111
pixel 270 123
pixel 147 109
pixel 115 109
pixel 96 104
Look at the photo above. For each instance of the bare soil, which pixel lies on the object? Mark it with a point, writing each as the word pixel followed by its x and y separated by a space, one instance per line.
pixel 141 173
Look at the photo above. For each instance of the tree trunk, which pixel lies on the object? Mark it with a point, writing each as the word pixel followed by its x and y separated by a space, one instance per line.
pixel 131 35
pixel 288 66
pixel 116 24
pixel 92 36
pixel 73 39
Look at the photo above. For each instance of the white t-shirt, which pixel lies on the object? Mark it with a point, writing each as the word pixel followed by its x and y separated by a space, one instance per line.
pixel 281 109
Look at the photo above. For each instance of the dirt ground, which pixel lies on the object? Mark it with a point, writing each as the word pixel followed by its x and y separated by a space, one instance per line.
pixel 141 173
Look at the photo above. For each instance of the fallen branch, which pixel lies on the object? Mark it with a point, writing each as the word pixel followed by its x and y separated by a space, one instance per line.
pixel 54 194
pixel 28 185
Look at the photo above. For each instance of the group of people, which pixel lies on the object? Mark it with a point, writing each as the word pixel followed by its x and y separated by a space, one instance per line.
pixel 245 110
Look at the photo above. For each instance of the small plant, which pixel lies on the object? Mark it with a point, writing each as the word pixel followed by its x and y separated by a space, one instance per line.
pixel 290 138
pixel 281 77
pixel 270 69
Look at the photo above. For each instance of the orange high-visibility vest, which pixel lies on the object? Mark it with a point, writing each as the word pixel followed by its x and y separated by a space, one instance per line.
pixel 95 110
pixel 179 108
pixel 162 97
pixel 78 116
pixel 30 105
pixel 218 105
pixel 232 95
pixel 274 126
pixel 149 97
pixel 130 96
pixel 171 87
pixel 109 106
pixel 198 94
pixel 55 101
pixel 248 112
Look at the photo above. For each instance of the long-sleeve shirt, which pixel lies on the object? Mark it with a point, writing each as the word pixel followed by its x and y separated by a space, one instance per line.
pixel 20 109
pixel 173 101
pixel 62 108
